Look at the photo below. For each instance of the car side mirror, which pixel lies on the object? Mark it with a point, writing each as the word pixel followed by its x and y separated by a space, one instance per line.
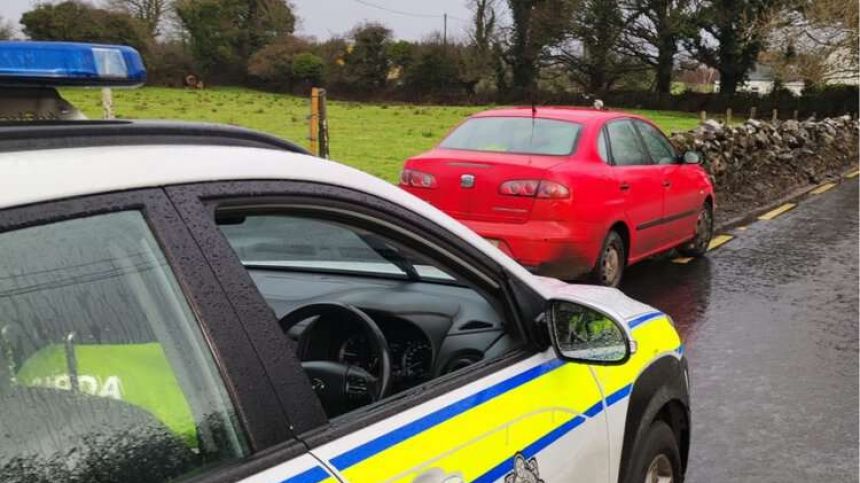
pixel 693 157
pixel 583 334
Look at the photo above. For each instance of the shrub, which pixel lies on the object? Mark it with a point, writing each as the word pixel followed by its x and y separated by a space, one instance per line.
pixel 308 69
pixel 273 65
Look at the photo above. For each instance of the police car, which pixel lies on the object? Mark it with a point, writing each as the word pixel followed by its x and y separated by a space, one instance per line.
pixel 206 303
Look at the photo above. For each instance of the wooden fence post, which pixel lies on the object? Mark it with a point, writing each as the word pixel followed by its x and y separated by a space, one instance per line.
pixel 728 116
pixel 323 125
pixel 775 116
pixel 314 122
pixel 796 113
pixel 703 116
pixel 318 124
pixel 107 103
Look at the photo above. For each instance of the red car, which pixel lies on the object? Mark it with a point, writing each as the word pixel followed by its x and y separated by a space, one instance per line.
pixel 568 192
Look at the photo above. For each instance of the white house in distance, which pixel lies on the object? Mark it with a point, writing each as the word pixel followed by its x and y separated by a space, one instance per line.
pixel 760 81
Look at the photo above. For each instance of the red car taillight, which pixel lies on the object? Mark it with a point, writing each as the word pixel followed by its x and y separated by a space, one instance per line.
pixel 534 187
pixel 417 179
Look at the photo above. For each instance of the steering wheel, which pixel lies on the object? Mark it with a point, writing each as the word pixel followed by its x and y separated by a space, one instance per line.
pixel 339 386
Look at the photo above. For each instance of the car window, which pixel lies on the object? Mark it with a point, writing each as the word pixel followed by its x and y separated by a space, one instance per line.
pixel 624 144
pixel 601 146
pixel 523 135
pixel 658 146
pixel 312 244
pixel 329 281
pixel 105 374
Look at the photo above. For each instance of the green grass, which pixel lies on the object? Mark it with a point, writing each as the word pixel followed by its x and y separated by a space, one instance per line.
pixel 376 138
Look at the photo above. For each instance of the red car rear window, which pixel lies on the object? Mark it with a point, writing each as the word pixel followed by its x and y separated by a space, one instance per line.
pixel 522 135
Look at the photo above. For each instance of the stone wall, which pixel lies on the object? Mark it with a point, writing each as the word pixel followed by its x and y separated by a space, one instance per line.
pixel 757 162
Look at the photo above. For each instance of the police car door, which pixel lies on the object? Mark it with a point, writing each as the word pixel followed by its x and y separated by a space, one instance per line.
pixel 516 414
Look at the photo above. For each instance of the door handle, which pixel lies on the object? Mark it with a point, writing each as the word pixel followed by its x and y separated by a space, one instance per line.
pixel 624 186
pixel 436 475
pixel 667 183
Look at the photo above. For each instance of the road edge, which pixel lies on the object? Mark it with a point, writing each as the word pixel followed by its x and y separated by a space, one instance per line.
pixel 794 195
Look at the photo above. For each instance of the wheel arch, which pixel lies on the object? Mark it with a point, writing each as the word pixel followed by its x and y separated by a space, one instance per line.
pixel 659 393
pixel 624 232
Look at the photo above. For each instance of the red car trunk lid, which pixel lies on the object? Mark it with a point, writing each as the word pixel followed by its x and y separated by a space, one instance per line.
pixel 468 182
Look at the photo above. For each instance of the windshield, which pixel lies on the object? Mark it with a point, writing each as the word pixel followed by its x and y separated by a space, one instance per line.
pixel 522 135
pixel 290 242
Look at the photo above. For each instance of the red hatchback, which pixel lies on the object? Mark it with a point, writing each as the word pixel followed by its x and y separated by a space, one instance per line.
pixel 568 192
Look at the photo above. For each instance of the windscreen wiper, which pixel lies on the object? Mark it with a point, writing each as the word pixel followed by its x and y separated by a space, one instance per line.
pixel 391 255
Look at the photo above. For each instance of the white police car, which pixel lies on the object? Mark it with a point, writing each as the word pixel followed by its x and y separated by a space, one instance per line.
pixel 189 301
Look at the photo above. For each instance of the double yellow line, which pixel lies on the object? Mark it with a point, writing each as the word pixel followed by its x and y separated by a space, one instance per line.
pixel 720 240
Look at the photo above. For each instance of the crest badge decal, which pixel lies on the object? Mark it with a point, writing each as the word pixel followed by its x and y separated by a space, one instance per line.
pixel 525 471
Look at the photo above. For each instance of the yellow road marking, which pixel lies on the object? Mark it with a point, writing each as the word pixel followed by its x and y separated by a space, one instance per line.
pixel 682 260
pixel 853 174
pixel 719 241
pixel 822 188
pixel 776 212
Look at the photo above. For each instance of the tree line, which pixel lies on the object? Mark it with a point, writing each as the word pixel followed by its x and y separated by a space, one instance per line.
pixel 513 50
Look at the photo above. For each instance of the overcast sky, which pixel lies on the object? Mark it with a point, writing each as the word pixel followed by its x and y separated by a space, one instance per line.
pixel 409 19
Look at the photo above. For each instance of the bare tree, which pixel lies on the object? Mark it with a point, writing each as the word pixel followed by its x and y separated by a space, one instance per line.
pixel 816 42
pixel 484 24
pixel 653 33
pixel 536 27
pixel 730 35
pixel 591 51
pixel 150 12
pixel 7 30
pixel 478 58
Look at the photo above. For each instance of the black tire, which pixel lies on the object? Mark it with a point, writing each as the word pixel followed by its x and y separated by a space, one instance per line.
pixel 610 264
pixel 658 450
pixel 698 246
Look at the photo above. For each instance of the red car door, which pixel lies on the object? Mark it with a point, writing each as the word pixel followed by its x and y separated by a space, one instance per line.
pixel 641 181
pixel 682 196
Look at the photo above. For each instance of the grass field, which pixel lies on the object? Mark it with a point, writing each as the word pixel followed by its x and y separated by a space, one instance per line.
pixel 376 138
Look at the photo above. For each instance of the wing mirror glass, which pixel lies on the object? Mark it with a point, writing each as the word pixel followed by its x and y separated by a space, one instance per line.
pixel 693 157
pixel 583 334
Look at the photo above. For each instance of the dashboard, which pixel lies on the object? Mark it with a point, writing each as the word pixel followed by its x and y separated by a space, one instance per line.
pixel 410 349
pixel 431 328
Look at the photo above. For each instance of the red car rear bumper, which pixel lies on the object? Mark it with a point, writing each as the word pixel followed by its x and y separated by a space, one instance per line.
pixel 550 248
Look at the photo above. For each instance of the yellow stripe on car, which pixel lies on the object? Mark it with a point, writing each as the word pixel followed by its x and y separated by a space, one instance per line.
pixel 475 441
pixel 653 337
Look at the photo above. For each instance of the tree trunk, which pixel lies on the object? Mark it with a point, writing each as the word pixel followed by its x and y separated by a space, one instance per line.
pixel 729 80
pixel 523 68
pixel 729 62
pixel 665 64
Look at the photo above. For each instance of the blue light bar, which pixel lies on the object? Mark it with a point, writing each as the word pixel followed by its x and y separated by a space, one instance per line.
pixel 69 64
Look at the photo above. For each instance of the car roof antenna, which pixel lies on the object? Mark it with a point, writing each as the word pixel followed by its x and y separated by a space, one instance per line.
pixel 534 115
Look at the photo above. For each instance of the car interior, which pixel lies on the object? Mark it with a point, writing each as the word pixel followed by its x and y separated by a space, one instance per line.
pixel 93 383
pixel 371 317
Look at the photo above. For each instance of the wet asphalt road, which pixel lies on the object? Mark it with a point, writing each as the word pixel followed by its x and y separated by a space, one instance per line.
pixel 771 326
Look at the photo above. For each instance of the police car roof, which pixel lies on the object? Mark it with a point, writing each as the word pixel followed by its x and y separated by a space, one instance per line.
pixel 21 136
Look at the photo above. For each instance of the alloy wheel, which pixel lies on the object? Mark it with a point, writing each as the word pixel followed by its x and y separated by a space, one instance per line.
pixel 611 264
pixel 660 470
pixel 704 228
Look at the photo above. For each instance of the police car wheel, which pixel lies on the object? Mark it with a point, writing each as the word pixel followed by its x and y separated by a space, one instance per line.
pixel 657 459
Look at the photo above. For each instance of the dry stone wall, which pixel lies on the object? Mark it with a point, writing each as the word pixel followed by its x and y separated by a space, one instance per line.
pixel 757 161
